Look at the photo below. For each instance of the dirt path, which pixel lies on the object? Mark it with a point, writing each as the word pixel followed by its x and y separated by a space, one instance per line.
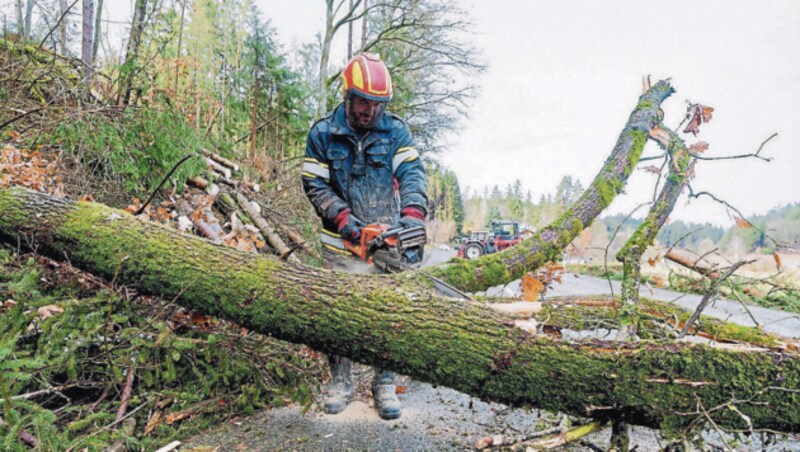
pixel 437 418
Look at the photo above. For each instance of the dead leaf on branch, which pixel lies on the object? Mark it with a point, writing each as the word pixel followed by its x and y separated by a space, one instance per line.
pixel 742 223
pixel 699 147
pixel 777 260
pixel 698 114
pixel 652 169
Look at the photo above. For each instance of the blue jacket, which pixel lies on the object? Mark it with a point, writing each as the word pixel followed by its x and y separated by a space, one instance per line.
pixel 342 169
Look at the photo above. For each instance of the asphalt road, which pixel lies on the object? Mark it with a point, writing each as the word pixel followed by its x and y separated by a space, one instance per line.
pixel 438 418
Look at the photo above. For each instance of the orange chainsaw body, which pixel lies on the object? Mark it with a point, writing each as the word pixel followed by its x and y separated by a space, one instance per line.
pixel 369 234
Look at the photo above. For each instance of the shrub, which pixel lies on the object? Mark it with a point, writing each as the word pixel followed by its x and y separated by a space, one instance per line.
pixel 136 148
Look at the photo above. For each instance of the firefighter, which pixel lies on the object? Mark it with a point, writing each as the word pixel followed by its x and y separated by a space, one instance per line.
pixel 361 166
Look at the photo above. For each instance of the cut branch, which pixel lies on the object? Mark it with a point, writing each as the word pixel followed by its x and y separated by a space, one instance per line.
pixel 494 269
pixel 676 257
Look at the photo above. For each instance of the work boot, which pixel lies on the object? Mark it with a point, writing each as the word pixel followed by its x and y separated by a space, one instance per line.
pixel 384 395
pixel 340 389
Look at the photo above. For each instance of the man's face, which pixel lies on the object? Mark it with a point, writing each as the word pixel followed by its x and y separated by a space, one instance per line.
pixel 364 112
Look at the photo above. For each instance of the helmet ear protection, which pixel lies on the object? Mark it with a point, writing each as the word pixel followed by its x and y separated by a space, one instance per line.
pixel 367 76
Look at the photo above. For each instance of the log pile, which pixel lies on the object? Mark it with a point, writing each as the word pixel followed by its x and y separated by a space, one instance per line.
pixel 249 228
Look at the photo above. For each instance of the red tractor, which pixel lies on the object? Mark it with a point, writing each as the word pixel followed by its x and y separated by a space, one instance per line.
pixel 502 235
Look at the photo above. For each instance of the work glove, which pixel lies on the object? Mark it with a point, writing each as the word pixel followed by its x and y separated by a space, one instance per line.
pixel 411 217
pixel 349 227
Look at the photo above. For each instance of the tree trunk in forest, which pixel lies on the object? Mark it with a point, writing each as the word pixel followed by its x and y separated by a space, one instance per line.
pixel 364 30
pixel 331 28
pixel 28 17
pixel 132 53
pixel 86 38
pixel 325 51
pixel 20 18
pixel 178 51
pixel 399 322
pixel 98 18
pixel 254 119
pixel 63 27
pixel 350 36
pixel 546 245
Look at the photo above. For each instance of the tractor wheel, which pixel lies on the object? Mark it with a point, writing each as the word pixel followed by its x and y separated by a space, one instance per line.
pixel 473 251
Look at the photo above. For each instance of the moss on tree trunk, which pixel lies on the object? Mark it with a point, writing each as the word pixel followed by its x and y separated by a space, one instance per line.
pixel 547 244
pixel 680 167
pixel 398 322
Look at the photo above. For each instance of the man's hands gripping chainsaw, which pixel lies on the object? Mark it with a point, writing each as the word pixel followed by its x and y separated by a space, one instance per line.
pixel 391 248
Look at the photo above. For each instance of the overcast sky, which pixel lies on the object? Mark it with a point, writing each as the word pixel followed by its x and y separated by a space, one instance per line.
pixel 563 76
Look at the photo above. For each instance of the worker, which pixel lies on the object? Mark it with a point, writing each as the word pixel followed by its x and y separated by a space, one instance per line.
pixel 361 166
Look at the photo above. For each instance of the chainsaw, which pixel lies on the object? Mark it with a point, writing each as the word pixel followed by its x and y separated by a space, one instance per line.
pixel 390 249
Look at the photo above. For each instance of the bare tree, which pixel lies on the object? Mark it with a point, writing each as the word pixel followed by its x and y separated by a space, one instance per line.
pixel 332 26
pixel 423 42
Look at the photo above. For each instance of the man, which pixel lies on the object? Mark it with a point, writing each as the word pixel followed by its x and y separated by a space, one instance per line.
pixel 361 167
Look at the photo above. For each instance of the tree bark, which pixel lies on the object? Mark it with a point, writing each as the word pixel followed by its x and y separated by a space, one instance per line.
pixel 98 27
pixel 63 28
pixel 546 245
pixel 398 322
pixel 28 16
pixel 680 167
pixel 20 18
pixel 87 45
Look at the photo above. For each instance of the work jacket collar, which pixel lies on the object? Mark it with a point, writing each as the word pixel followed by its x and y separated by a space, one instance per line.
pixel 341 127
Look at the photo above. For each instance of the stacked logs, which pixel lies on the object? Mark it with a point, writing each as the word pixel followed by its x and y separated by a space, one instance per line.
pixel 231 197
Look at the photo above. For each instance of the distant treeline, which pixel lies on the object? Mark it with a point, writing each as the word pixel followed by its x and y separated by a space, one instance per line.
pixel 480 208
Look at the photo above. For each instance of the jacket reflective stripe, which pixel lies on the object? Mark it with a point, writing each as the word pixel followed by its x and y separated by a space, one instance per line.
pixel 404 155
pixel 313 168
pixel 332 241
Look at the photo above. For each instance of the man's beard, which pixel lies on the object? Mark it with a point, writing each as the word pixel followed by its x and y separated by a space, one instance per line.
pixel 354 121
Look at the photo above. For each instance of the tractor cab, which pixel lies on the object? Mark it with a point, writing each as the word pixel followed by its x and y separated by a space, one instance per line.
pixel 502 235
pixel 505 230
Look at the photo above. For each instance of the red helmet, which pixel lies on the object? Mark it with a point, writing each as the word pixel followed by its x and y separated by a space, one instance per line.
pixel 367 76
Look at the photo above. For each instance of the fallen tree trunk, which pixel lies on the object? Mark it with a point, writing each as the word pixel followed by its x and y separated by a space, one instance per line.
pixel 546 245
pixel 398 322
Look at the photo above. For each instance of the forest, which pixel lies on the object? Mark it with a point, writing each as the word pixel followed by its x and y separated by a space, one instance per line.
pixel 161 272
